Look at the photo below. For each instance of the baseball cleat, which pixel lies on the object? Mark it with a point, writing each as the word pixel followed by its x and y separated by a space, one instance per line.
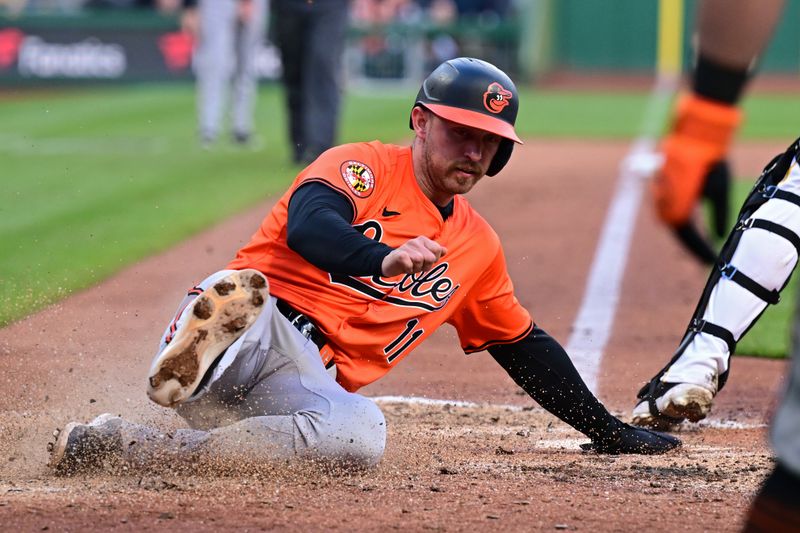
pixel 664 405
pixel 631 439
pixel 211 323
pixel 81 447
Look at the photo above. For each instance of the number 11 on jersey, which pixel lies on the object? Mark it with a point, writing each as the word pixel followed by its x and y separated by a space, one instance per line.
pixel 404 340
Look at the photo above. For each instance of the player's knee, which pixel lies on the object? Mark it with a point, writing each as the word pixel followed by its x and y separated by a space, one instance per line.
pixel 367 439
pixel 355 435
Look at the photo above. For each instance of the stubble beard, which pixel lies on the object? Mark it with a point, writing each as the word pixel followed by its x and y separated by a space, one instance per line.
pixel 463 184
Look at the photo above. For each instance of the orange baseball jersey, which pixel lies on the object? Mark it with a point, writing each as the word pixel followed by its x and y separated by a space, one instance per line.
pixel 373 322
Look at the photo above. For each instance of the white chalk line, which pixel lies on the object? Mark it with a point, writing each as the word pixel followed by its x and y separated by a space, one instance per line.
pixel 595 319
pixel 415 400
pixel 444 403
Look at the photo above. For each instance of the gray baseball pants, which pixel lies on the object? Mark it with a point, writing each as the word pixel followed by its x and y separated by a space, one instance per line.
pixel 270 397
pixel 226 64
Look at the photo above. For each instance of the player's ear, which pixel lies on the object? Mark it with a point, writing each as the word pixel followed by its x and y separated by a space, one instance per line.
pixel 419 120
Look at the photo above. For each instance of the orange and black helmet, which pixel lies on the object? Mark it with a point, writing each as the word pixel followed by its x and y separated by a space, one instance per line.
pixel 474 93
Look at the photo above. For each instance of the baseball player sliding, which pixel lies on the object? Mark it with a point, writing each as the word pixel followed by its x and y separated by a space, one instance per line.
pixel 369 251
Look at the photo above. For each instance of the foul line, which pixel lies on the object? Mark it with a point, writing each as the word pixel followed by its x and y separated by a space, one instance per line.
pixel 416 400
pixel 592 326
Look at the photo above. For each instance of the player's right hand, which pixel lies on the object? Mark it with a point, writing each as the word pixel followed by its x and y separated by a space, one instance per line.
pixel 416 255
pixel 694 153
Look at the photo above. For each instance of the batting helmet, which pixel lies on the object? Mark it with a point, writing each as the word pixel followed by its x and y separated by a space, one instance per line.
pixel 474 93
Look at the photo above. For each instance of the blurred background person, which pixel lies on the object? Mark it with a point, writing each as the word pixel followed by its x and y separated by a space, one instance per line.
pixel 229 34
pixel 311 39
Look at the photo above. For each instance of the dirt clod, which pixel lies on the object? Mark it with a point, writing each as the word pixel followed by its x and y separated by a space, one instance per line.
pixel 257 300
pixel 224 288
pixel 182 366
pixel 237 324
pixel 202 308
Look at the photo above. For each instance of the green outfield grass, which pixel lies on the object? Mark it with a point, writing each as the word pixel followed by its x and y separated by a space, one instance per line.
pixel 94 180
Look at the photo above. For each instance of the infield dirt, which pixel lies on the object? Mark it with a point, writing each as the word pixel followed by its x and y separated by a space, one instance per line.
pixel 503 464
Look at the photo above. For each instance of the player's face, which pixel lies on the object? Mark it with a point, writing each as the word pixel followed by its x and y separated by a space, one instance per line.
pixel 454 157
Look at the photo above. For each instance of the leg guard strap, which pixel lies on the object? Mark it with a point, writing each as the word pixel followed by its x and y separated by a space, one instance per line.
pixel 772 227
pixel 704 326
pixel 772 191
pixel 730 272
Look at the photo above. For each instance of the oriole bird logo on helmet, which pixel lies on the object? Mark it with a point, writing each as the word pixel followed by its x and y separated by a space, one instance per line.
pixel 495 99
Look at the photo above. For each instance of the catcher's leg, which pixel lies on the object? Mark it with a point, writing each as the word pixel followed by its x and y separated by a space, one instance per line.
pixel 753 267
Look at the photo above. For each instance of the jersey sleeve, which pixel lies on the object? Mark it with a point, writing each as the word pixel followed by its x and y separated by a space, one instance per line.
pixel 491 314
pixel 351 169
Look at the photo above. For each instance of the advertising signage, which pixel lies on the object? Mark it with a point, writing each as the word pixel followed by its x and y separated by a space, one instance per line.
pixel 30 54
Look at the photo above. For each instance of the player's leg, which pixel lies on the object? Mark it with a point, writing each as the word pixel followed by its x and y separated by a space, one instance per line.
pixel 288 402
pixel 776 508
pixel 324 65
pixel 269 397
pixel 292 393
pixel 250 38
pixel 754 266
pixel 291 37
pixel 214 63
pixel 212 321
pixel 786 425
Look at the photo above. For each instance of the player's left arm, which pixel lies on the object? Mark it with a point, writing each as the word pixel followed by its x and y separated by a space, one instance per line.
pixel 541 367
pixel 492 318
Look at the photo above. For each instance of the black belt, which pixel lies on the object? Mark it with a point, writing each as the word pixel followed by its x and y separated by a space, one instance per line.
pixel 302 323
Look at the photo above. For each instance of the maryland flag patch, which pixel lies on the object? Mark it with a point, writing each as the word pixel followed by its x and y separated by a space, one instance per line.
pixel 358 177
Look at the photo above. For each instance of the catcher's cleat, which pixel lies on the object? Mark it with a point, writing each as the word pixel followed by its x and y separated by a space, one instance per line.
pixel 665 405
pixel 631 439
pixel 209 324
pixel 84 447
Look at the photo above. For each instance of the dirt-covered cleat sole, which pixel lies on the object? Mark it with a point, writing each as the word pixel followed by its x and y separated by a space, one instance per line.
pixel 79 447
pixel 211 323
pixel 682 401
